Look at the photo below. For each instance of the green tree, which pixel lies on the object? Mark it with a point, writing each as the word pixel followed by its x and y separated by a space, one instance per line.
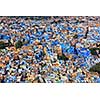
pixel 63 57
pixel 75 36
pixel 18 44
pixel 2 45
pixel 95 68
pixel 93 50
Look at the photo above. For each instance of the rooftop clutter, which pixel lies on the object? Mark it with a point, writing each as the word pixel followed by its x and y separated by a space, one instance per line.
pixel 49 49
